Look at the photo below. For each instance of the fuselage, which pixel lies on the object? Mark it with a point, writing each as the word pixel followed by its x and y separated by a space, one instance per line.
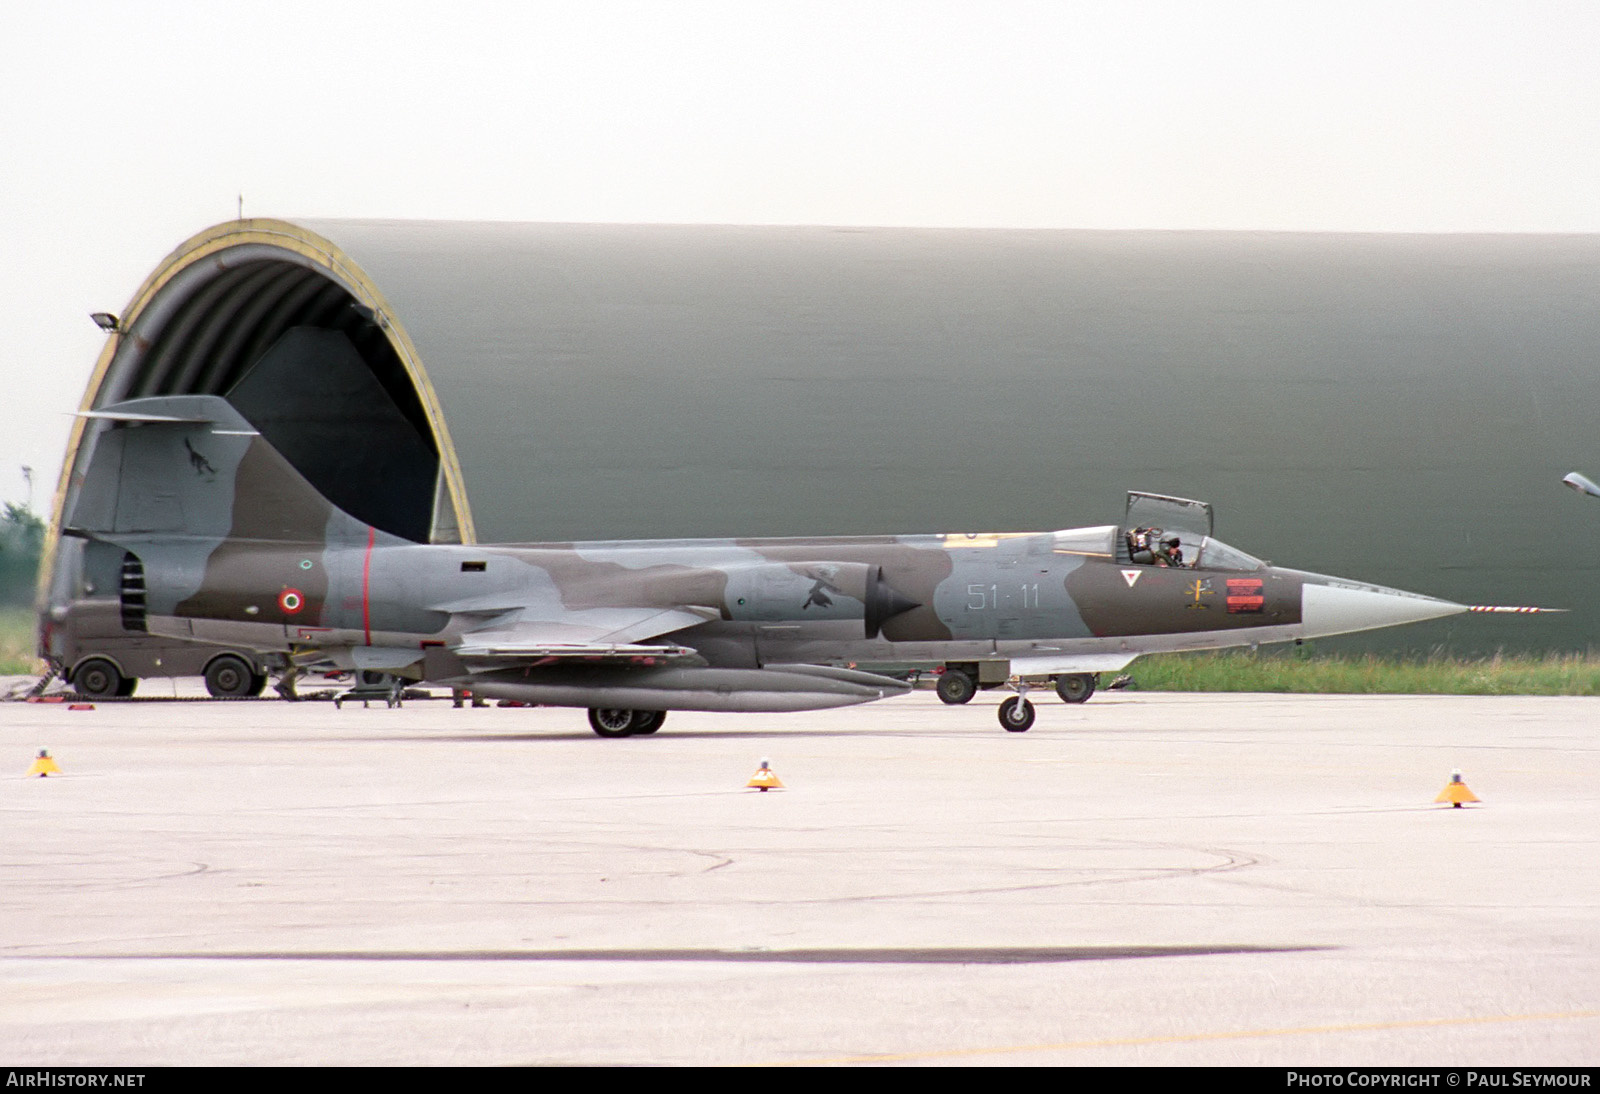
pixel 225 541
pixel 821 601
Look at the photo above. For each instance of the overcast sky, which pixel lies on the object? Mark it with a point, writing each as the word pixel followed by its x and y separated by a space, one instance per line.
pixel 129 126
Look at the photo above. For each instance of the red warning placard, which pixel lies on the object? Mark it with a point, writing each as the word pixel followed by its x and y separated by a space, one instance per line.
pixel 1245 594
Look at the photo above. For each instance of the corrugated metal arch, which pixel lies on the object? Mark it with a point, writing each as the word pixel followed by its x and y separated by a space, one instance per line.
pixel 214 305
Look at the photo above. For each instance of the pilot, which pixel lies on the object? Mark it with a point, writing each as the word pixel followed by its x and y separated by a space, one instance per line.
pixel 1171 551
pixel 1141 545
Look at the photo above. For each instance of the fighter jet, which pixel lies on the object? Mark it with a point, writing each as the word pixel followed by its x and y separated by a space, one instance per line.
pixel 226 542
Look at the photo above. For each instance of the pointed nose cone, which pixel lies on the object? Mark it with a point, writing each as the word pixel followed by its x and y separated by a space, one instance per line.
pixel 1344 607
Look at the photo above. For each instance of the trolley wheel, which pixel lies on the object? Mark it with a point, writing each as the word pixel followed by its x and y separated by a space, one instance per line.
pixel 956 687
pixel 98 678
pixel 1075 687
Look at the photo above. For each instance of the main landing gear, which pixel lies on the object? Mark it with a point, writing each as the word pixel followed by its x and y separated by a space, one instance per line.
pixel 625 723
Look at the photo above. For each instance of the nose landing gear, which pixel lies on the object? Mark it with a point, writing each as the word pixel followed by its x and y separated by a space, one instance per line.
pixel 1016 713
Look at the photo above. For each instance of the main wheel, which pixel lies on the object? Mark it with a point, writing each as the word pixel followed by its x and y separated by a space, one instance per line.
pixel 98 678
pixel 1075 687
pixel 1016 714
pixel 646 722
pixel 611 723
pixel 956 687
pixel 230 677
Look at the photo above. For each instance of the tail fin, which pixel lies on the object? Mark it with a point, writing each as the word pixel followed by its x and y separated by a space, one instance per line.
pixel 190 467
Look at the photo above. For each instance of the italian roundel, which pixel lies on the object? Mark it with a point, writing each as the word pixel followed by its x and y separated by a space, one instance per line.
pixel 291 601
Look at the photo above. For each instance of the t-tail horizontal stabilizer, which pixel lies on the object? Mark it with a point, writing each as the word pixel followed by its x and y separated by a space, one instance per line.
pixel 1582 484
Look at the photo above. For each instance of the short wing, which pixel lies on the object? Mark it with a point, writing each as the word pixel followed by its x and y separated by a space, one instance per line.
pixel 615 635
pixel 1049 663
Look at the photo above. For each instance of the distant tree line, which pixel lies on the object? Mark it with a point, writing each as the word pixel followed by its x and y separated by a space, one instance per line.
pixel 21 544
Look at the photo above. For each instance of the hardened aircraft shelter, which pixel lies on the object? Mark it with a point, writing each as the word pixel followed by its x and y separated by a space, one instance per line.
pixel 1402 407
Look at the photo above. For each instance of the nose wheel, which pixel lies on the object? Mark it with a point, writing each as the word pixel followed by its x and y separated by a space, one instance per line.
pixel 1016 715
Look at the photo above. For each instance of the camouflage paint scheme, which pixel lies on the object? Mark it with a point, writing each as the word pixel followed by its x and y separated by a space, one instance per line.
pixel 236 547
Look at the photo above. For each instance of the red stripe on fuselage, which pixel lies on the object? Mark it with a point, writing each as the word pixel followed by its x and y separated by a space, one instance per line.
pixel 366 585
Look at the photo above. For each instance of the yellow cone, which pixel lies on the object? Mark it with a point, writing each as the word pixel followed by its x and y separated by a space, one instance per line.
pixel 43 766
pixel 1456 792
pixel 765 779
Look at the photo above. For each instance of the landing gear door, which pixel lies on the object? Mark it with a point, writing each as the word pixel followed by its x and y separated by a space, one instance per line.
pixel 1190 518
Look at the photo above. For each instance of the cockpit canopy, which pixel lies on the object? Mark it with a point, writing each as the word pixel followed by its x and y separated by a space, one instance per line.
pixel 1152 546
pixel 1114 542
pixel 1159 530
pixel 1178 515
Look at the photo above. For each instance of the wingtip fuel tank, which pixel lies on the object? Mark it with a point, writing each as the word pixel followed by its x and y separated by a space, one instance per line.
pixel 1582 484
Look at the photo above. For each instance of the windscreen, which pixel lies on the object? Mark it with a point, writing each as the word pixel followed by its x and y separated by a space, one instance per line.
pixel 1216 555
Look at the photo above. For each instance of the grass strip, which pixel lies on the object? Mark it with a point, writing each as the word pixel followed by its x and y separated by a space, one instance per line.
pixel 18 639
pixel 1370 674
